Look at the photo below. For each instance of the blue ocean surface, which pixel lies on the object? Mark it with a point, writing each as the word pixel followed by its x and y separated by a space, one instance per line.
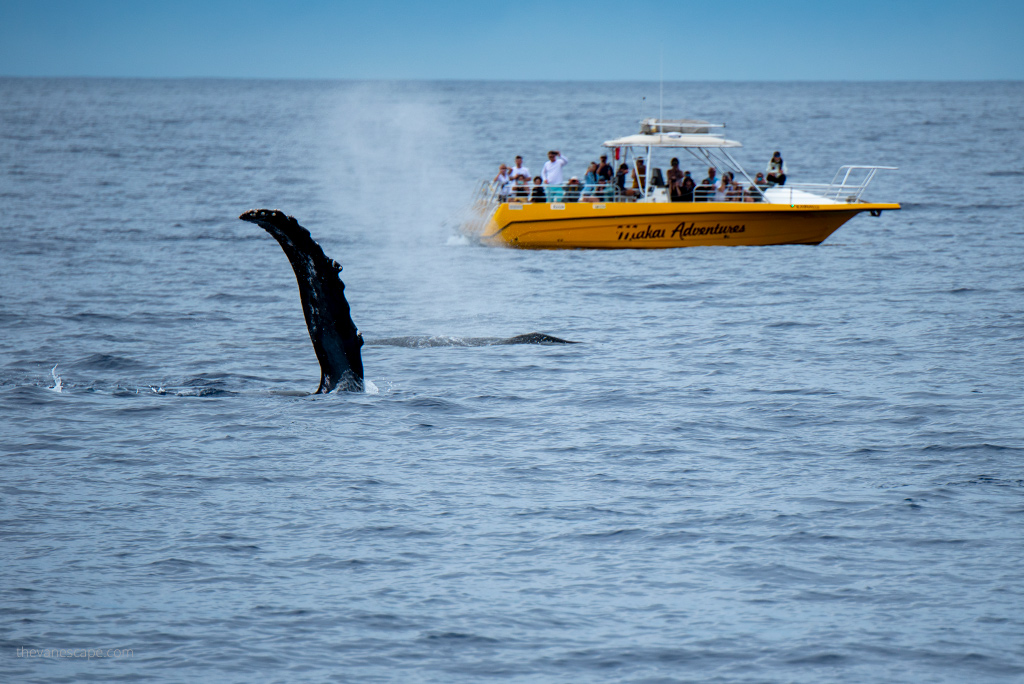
pixel 761 464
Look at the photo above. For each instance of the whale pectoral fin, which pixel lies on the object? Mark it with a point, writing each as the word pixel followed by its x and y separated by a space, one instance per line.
pixel 326 384
pixel 322 294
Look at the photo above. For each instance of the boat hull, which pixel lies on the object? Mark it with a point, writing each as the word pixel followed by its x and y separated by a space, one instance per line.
pixel 664 225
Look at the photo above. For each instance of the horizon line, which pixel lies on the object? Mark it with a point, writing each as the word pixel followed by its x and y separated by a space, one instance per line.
pixel 499 80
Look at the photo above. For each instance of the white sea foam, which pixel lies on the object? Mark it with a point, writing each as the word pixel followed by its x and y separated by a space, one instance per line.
pixel 458 241
pixel 58 384
pixel 369 387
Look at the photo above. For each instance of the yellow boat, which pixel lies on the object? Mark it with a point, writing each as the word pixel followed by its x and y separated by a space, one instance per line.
pixel 643 217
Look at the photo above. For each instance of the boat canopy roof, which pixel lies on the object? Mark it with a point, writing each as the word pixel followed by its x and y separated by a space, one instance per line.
pixel 672 140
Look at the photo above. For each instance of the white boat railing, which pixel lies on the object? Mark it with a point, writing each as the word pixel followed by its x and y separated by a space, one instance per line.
pixel 847 186
pixel 489 195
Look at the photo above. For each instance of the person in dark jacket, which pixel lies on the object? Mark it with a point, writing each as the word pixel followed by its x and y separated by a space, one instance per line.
pixel 538 190
pixel 686 188
pixel 520 191
pixel 674 176
pixel 620 179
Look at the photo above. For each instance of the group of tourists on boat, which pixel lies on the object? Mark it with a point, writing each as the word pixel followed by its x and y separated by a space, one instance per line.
pixel 602 182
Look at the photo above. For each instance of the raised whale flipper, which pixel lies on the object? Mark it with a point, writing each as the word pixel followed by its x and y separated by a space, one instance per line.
pixel 334 335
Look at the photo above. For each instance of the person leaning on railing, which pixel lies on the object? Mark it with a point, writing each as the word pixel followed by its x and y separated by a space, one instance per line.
pixel 504 182
pixel 734 193
pixel 700 193
pixel 722 189
pixel 538 194
pixel 608 191
pixel 686 188
pixel 623 193
pixel 520 191
pixel 706 190
pixel 590 184
pixel 573 189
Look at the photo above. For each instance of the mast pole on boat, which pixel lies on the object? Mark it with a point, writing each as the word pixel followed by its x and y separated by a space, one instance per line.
pixel 636 169
pixel 647 174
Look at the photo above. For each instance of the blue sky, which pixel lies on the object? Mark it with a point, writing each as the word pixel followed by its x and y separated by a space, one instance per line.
pixel 515 40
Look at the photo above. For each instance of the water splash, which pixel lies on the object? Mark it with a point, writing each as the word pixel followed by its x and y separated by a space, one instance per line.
pixel 58 384
pixel 370 387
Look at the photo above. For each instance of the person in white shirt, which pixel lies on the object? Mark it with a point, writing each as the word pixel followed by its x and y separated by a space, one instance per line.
pixel 722 189
pixel 519 171
pixel 504 182
pixel 552 174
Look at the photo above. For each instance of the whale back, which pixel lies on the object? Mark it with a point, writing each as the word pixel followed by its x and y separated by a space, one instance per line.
pixel 336 340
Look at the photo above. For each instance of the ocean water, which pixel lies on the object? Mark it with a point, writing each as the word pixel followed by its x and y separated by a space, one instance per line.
pixel 770 464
